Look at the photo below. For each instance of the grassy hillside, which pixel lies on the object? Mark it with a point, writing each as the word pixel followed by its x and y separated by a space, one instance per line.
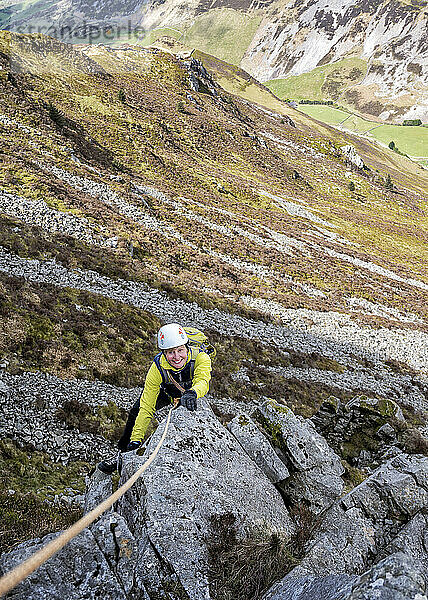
pixel 213 32
pixel 134 190
pixel 322 83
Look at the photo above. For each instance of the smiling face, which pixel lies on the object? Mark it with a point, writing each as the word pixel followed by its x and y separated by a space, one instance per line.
pixel 176 356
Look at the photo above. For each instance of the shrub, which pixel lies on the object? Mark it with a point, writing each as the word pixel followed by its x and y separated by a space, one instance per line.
pixel 243 569
pixel 351 186
pixel 25 516
pixel 108 420
pixel 56 115
pixel 391 145
pixel 121 95
pixel 388 183
pixel 412 122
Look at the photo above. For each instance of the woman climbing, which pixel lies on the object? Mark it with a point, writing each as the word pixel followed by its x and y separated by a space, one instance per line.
pixel 180 371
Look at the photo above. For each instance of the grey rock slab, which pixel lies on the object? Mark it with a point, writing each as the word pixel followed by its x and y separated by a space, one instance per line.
pixel 258 448
pixel 412 539
pixel 330 587
pixel 200 471
pixel 362 523
pixel 393 490
pixel 79 570
pixel 315 469
pixel 98 488
pixel 119 547
pixel 341 546
pixel 394 578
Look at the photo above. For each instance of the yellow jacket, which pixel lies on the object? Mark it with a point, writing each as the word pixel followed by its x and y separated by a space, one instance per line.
pixel 152 386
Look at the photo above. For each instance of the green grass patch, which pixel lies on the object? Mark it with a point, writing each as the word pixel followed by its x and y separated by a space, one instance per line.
pixel 28 483
pixel 322 83
pixel 155 34
pixel 410 140
pixel 324 113
pixel 215 32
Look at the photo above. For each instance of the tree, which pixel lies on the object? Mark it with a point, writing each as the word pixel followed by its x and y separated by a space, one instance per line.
pixel 388 183
pixel 351 186
pixel 121 95
pixel 391 145
pixel 55 114
pixel 412 122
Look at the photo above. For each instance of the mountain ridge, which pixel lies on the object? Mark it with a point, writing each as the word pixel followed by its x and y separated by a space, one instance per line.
pixel 275 40
pixel 134 191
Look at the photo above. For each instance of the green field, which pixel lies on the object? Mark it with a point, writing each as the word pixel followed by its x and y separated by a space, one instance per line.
pixel 325 82
pixel 152 36
pixel 23 10
pixel 213 32
pixel 410 140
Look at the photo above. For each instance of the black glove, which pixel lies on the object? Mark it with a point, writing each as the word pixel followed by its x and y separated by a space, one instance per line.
pixel 188 400
pixel 133 446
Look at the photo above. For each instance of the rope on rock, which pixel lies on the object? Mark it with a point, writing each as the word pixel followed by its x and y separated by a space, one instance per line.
pixel 19 573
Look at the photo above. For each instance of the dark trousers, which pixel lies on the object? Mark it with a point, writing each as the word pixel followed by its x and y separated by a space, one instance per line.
pixel 162 400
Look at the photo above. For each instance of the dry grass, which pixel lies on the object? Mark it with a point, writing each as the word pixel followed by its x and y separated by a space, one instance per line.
pixel 243 569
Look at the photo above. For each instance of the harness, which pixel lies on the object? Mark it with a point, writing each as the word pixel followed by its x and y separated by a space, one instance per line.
pixel 183 378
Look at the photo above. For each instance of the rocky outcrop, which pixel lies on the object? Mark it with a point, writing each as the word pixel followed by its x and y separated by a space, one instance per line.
pixel 394 578
pixel 361 429
pixel 199 78
pixel 258 448
pixel 352 157
pixel 362 523
pixel 156 542
pixel 315 469
pixel 202 472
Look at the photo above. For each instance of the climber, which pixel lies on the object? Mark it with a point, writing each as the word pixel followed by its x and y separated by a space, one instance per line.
pixel 179 371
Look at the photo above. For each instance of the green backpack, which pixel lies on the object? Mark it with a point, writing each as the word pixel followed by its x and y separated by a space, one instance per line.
pixel 198 339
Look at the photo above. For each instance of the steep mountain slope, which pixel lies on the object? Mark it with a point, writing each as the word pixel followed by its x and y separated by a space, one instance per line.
pixel 390 36
pixel 134 190
pixel 378 49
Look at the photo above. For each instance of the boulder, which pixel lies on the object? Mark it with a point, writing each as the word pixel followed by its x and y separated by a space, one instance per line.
pixel 315 469
pixel 362 523
pixel 394 578
pixel 359 430
pixel 258 448
pixel 94 565
pixel 155 545
pixel 352 156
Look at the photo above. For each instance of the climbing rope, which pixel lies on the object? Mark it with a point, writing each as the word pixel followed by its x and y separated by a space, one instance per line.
pixel 19 573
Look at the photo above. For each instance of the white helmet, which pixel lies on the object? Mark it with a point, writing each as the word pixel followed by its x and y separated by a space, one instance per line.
pixel 171 336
